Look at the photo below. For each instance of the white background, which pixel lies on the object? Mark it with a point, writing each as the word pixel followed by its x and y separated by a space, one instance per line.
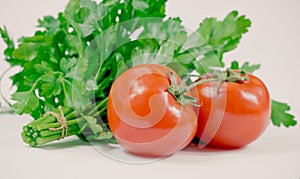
pixel 273 41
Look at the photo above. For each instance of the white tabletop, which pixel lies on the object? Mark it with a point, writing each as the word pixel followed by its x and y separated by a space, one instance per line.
pixel 273 41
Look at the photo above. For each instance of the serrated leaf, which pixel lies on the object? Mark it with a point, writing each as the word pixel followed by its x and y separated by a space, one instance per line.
pixel 50 23
pixel 230 45
pixel 154 29
pixel 224 34
pixel 92 124
pixel 280 115
pixel 91 85
pixel 194 40
pixel 70 14
pixel 176 33
pixel 48 77
pixel 95 14
pixel 207 62
pixel 96 128
pixel 50 89
pixel 206 28
pixel 76 94
pixel 8 41
pixel 101 136
pixel 170 31
pixel 66 64
pixel 246 67
pixel 161 39
pixel 74 47
pixel 25 51
pixel 78 71
pixel 215 37
pixel 43 67
pixel 250 68
pixel 25 102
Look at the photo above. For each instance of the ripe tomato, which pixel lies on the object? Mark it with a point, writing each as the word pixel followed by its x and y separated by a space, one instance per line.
pixel 144 116
pixel 234 116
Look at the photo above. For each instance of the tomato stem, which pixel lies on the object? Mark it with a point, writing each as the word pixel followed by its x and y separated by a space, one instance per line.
pixel 179 90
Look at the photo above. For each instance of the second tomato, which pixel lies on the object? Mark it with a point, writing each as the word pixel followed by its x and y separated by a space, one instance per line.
pixel 234 114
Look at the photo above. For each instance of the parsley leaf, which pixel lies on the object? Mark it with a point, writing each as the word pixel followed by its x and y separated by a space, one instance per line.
pixel 280 114
pixel 8 41
pixel 24 51
pixel 99 132
pixel 250 68
pixel 92 123
pixel 246 67
pixel 95 14
pixel 26 102
pixel 78 71
pixel 212 39
pixel 50 23
pixel 159 41
pixel 51 85
pixel 75 93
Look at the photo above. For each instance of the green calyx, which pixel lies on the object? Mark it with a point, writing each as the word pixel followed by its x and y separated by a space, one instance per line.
pixel 179 90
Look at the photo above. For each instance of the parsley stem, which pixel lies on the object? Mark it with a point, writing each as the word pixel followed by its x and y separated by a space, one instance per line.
pixel 44 140
pixel 46 133
pixel 103 102
pixel 55 125
pixel 38 132
pixel 62 81
pixel 101 49
pixel 48 118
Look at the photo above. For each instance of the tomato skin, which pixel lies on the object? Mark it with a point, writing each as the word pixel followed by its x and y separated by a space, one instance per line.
pixel 234 117
pixel 144 117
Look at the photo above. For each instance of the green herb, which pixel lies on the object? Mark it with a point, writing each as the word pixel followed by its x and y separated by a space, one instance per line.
pixel 280 114
pixel 211 40
pixel 246 67
pixel 9 42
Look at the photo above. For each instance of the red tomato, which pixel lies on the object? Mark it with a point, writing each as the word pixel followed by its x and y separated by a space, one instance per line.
pixel 144 117
pixel 235 116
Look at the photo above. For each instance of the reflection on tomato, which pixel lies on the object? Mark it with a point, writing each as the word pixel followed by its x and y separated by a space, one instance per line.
pixel 144 117
pixel 234 116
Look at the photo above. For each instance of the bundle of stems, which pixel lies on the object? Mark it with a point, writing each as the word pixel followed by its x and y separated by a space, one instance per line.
pixel 87 125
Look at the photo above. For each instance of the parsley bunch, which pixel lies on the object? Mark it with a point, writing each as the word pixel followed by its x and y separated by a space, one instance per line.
pixel 72 60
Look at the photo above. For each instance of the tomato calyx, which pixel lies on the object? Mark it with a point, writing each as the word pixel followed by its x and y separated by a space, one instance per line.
pixel 235 76
pixel 179 90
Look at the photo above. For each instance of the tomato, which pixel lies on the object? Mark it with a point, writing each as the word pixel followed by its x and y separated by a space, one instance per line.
pixel 234 116
pixel 145 117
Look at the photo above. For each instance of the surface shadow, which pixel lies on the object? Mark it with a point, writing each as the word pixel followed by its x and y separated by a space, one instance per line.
pixel 194 147
pixel 70 143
